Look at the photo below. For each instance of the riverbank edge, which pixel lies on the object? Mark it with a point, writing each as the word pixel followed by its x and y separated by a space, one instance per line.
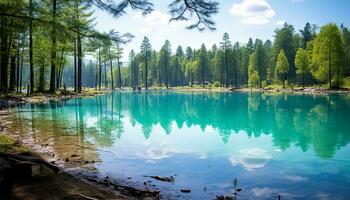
pixel 45 183
pixel 83 181
pixel 14 99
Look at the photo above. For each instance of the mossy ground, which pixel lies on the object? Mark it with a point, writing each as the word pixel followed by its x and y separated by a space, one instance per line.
pixel 8 144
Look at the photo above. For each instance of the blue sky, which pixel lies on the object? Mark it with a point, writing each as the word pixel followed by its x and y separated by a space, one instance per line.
pixel 240 18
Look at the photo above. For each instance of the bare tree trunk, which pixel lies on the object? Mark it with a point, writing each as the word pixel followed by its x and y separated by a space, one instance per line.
pixel 60 69
pixel 80 62
pixel 22 62
pixel 4 57
pixel 111 66
pixel 329 67
pixel 75 65
pixel 100 69
pixel 31 67
pixel 96 76
pixel 226 66
pixel 119 76
pixel 146 70
pixel 17 65
pixel 13 72
pixel 53 50
pixel 42 78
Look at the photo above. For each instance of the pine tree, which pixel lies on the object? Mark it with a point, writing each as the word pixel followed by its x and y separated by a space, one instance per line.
pixel 302 64
pixel 282 67
pixel 146 51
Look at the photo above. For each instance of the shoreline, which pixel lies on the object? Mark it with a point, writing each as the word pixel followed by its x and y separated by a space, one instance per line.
pixel 89 183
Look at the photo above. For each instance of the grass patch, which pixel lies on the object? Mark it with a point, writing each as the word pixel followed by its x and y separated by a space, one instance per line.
pixel 346 83
pixel 8 144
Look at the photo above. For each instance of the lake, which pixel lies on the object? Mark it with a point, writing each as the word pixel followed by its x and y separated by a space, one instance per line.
pixel 292 145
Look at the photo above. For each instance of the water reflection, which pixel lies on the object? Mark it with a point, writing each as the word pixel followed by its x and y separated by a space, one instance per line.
pixel 304 121
pixel 273 143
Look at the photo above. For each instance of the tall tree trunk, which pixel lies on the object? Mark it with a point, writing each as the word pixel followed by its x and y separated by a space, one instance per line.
pixel 42 78
pixel 4 57
pixel 105 72
pixel 22 62
pixel 53 50
pixel 146 70
pixel 329 67
pixel 119 76
pixel 17 64
pixel 226 66
pixel 202 70
pixel 100 70
pixel 57 78
pixel 75 64
pixel 303 80
pixel 80 62
pixel 13 71
pixel 221 74
pixel 96 76
pixel 31 67
pixel 111 66
pixel 236 75
pixel 60 69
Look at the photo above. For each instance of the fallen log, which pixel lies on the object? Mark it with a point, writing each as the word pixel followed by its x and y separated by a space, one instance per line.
pixel 165 179
pixel 30 159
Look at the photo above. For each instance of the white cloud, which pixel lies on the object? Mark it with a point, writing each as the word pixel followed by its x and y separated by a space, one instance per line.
pixel 156 22
pixel 280 22
pixel 256 12
pixel 155 18
pixel 295 178
pixel 297 1
pixel 250 159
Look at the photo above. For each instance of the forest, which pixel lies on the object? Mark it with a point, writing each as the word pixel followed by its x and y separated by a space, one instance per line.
pixel 44 49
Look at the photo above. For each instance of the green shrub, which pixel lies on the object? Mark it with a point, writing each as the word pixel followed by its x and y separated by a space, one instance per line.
pixel 216 84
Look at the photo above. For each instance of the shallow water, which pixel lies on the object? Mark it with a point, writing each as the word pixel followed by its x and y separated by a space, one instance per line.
pixel 295 146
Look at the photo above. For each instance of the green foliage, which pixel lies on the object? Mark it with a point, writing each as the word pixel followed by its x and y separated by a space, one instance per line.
pixel 216 84
pixel 253 75
pixel 285 40
pixel 282 67
pixel 10 145
pixel 63 34
pixel 328 55
pixel 302 63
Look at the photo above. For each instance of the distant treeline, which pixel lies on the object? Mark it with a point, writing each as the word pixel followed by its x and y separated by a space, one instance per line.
pixel 43 45
pixel 304 57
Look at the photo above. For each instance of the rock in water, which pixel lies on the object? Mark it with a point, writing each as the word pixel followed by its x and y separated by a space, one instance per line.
pixel 165 179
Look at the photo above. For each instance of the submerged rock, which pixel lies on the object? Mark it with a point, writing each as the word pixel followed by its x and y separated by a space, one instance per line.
pixel 165 179
pixel 225 198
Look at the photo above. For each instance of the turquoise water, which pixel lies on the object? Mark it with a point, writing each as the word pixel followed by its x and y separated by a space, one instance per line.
pixel 291 145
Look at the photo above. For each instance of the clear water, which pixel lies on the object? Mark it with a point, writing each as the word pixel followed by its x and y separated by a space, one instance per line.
pixel 291 145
